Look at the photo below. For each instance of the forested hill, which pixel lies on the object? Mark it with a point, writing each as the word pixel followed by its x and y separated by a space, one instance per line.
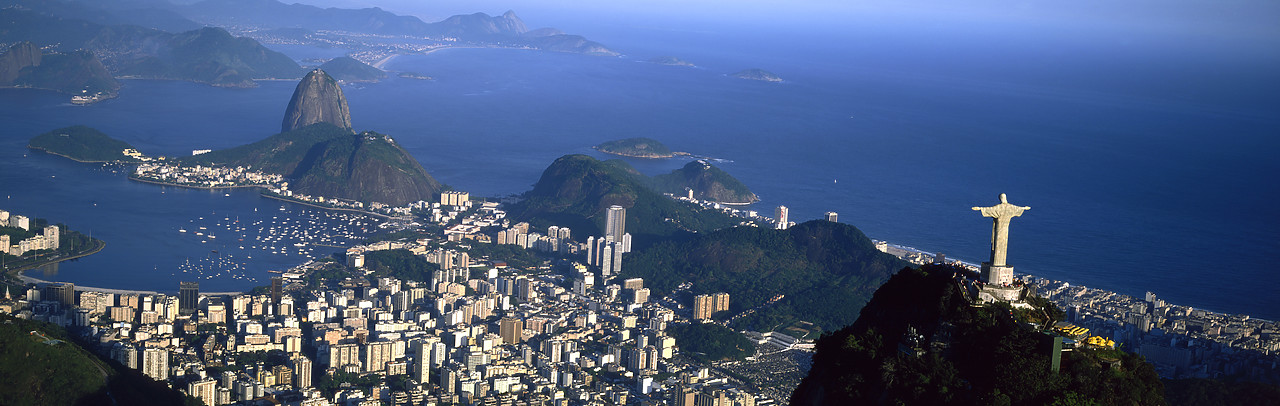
pixel 826 272
pixel 575 191
pixel 326 160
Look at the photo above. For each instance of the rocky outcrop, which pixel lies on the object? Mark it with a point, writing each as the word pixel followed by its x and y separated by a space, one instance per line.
pixel 21 55
pixel 317 99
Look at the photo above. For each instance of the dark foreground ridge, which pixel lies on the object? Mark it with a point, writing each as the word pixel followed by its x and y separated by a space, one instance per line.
pixel 920 342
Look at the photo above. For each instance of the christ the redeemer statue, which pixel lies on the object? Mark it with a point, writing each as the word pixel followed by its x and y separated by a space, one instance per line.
pixel 996 271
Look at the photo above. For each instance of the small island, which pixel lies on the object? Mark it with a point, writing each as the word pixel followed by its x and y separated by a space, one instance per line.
pixel 636 148
pixel 84 144
pixel 758 74
pixel 671 61
pixel 414 75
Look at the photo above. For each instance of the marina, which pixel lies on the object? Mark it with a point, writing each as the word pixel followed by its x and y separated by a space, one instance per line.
pixel 295 234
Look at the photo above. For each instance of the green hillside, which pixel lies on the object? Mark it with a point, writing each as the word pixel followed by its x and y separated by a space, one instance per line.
pixel 36 371
pixel 576 190
pixel 325 160
pixel 970 355
pixel 707 182
pixel 827 272
pixel 83 144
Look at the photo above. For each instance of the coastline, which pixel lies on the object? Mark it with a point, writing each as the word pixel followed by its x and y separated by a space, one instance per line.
pixel 29 146
pixel 156 182
pixel 283 199
pixel 266 195
pixel 35 280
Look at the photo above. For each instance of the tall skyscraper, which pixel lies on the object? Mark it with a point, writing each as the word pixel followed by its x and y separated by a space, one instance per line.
pixel 616 223
pixel 277 289
pixel 155 363
pixel 511 329
pixel 301 371
pixel 188 297
pixel 421 371
pixel 781 216
pixel 61 292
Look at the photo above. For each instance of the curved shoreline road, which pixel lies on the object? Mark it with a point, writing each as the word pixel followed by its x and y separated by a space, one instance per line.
pixel 29 279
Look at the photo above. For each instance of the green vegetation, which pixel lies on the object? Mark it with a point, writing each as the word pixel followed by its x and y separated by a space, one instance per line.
pixel 36 372
pixel 1207 392
pixel 971 355
pixel 326 160
pixel 636 148
pixel 827 272
pixel 77 72
pixel 82 144
pixel 710 342
pixel 211 55
pixel 707 182
pixel 328 385
pixel 400 264
pixel 513 255
pixel 347 69
pixel 576 190
pixel 327 276
pixel 70 243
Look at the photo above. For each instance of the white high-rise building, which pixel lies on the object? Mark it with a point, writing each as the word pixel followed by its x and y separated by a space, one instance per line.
pixel 51 234
pixel 155 363
pixel 616 223
pixel 783 221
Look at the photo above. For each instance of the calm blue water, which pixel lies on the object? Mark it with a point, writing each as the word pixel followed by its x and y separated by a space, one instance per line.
pixel 1146 168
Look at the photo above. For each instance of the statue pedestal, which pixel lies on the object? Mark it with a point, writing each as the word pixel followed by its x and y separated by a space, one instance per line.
pixel 997 275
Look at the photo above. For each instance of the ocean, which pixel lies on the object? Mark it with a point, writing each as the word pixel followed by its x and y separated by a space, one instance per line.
pixel 1146 169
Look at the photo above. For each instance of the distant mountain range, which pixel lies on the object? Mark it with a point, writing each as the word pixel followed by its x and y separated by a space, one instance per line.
pixel 478 27
pixel 206 55
pixel 272 14
pixel 155 39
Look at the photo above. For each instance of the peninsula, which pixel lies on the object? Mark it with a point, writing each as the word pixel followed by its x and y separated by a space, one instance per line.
pixel 84 144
